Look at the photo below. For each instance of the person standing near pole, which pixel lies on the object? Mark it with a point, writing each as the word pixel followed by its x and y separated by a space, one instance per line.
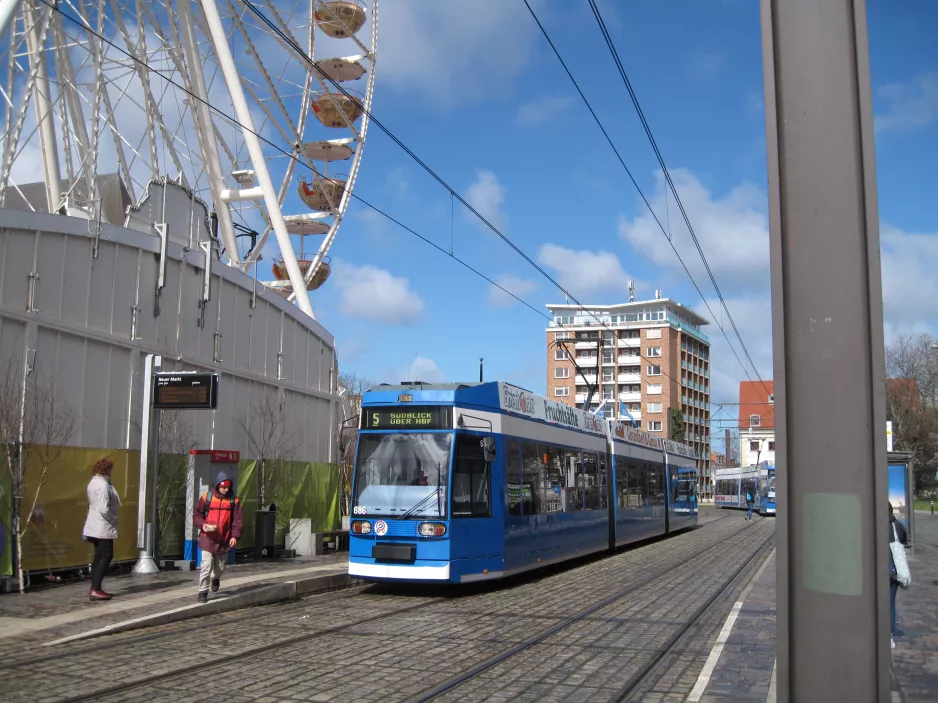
pixel 219 520
pixel 101 525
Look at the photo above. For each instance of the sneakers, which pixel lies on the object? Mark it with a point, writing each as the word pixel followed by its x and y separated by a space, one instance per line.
pixel 203 596
pixel 216 584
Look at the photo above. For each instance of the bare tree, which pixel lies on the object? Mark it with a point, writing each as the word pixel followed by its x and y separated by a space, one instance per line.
pixel 36 426
pixel 351 389
pixel 272 437
pixel 175 440
pixel 912 395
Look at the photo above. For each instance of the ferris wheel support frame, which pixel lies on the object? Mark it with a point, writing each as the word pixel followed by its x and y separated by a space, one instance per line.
pixel 44 116
pixel 8 10
pixel 270 196
pixel 205 127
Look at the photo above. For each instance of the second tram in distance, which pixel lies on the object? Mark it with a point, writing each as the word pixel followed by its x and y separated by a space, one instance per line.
pixel 474 481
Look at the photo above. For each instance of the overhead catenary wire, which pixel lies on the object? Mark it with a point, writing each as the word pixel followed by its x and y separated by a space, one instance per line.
pixel 87 27
pixel 667 174
pixel 665 232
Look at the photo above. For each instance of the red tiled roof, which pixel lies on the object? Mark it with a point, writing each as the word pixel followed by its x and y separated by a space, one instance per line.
pixel 754 400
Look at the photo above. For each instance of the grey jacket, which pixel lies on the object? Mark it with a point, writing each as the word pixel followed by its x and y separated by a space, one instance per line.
pixel 102 509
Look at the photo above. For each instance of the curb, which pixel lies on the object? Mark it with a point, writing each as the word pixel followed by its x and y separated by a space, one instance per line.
pixel 264 595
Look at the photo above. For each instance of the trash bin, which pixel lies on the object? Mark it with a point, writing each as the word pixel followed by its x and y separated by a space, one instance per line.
pixel 265 532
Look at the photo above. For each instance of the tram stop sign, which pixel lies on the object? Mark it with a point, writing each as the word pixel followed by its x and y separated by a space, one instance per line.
pixel 185 390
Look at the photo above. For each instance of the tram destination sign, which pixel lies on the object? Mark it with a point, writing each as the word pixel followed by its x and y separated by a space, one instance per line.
pixel 411 417
pixel 185 391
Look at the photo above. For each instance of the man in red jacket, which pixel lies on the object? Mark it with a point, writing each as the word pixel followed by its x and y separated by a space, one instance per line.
pixel 219 520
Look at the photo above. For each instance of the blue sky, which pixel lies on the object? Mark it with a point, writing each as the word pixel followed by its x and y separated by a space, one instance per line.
pixel 474 90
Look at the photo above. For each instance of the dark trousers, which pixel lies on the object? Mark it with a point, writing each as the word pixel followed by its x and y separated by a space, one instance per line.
pixel 893 588
pixel 103 554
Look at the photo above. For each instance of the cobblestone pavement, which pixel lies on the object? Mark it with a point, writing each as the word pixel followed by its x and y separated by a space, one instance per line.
pixel 915 658
pixel 65 610
pixel 441 632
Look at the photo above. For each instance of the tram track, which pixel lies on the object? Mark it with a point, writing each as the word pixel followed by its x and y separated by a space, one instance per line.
pixel 464 614
pixel 637 681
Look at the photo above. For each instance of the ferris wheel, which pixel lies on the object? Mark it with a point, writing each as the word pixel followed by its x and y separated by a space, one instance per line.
pixel 258 107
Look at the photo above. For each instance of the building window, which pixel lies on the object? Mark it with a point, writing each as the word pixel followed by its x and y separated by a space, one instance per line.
pixel 653 389
pixel 654 333
pixel 755 420
pixel 754 446
pixel 607 356
pixel 652 351
pixel 562 373
pixel 654 426
pixel 561 335
pixel 654 407
pixel 560 354
pixel 608 393
pixel 771 446
pixel 654 370
pixel 561 391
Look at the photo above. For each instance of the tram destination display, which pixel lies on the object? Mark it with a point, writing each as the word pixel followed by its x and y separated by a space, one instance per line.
pixel 420 417
pixel 185 391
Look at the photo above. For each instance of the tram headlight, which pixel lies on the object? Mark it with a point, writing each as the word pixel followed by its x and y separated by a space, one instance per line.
pixel 431 529
pixel 361 527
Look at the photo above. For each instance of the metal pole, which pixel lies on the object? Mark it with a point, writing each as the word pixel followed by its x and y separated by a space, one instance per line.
pixel 44 118
pixel 233 81
pixel 480 369
pixel 833 614
pixel 8 10
pixel 146 564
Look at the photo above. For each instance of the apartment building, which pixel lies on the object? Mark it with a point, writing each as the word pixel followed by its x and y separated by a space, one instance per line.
pixel 756 422
pixel 641 358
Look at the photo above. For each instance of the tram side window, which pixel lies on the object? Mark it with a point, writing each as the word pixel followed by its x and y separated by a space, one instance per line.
pixel 656 485
pixel 638 494
pixel 553 458
pixel 513 470
pixel 622 482
pixel 593 483
pixel 471 479
pixel 749 484
pixel 533 478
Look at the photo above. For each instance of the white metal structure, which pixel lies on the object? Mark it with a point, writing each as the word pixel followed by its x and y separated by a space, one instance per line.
pixel 247 104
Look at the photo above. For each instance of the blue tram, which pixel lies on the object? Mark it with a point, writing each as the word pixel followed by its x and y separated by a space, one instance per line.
pixel 767 489
pixel 476 481
pixel 733 483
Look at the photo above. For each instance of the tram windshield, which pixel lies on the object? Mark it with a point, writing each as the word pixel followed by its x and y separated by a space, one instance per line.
pixel 402 474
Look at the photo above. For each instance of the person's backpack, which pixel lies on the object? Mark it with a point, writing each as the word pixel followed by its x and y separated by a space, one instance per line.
pixel 207 501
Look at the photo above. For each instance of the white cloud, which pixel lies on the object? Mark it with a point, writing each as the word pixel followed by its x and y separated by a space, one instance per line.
pixel 487 196
pixel 541 110
pixel 370 293
pixel 908 105
pixel 423 369
pixel 584 273
pixel 753 317
pixel 733 231
pixel 518 286
pixel 397 179
pixel 910 286
pixel 453 53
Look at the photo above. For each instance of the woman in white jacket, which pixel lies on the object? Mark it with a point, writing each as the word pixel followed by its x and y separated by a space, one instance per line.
pixel 101 525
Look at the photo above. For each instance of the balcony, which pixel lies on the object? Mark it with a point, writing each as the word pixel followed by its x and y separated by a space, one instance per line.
pixel 585 344
pixel 631 343
pixel 631 360
pixel 630 397
pixel 629 378
pixel 586 361
pixel 585 380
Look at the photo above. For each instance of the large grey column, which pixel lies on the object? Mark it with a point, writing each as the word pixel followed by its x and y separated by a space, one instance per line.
pixel 833 609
